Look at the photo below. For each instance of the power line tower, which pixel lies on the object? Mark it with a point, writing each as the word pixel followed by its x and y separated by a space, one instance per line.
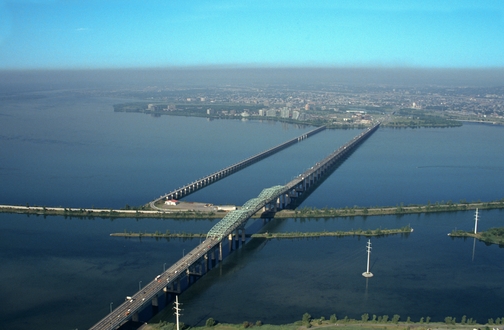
pixel 476 218
pixel 177 311
pixel 367 273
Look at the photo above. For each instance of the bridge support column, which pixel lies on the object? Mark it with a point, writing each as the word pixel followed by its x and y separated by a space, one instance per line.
pixel 134 317
pixel 243 236
pixel 237 237
pixel 220 251
pixel 207 266
pixel 230 238
pixel 155 301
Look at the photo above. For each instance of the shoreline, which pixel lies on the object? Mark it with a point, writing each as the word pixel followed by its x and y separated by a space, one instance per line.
pixel 298 213
pixel 267 235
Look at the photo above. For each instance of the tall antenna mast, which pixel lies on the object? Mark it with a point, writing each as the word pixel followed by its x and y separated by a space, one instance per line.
pixel 476 222
pixel 177 311
pixel 367 273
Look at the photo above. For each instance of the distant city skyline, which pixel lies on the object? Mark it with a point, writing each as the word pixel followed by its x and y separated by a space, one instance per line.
pixel 52 34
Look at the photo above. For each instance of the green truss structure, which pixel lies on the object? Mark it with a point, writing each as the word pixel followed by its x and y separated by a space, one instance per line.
pixel 237 218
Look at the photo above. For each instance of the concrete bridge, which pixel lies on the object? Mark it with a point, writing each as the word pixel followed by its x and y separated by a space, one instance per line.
pixel 214 177
pixel 230 230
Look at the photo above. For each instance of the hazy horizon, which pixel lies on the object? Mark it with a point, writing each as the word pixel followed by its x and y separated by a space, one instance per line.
pixel 12 80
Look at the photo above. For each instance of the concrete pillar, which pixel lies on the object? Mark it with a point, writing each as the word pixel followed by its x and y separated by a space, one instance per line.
pixel 134 317
pixel 220 251
pixel 155 301
pixel 243 236
pixel 230 238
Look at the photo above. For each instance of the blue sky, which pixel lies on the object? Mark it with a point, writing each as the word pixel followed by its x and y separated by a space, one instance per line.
pixel 52 34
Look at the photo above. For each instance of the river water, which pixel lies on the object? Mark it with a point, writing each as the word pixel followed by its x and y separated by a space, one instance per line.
pixel 66 273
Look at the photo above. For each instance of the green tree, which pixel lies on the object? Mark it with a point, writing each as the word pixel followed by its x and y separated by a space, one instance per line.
pixel 448 320
pixel 421 320
pixel 365 317
pixel 463 319
pixel 210 323
pixel 374 318
pixel 408 319
pixel 491 321
pixel 395 319
pixel 333 318
pixel 385 318
pixel 306 318
pixel 427 319
pixel 258 323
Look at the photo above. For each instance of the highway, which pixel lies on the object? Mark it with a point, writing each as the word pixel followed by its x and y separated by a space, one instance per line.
pixel 125 311
pixel 209 179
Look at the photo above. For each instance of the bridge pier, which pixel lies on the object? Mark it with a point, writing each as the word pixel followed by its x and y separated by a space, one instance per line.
pixel 171 287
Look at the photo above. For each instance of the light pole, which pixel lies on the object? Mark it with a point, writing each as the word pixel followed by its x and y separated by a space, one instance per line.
pixel 139 285
pixel 183 253
pixel 164 267
pixel 111 306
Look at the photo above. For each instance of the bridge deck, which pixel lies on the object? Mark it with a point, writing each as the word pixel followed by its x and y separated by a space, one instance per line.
pixel 209 179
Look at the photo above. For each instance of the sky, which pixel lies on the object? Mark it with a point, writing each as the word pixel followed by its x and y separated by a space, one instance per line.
pixel 91 34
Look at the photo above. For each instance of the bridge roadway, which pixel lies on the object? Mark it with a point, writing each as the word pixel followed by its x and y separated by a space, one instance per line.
pixel 304 181
pixel 270 199
pixel 209 179
pixel 149 293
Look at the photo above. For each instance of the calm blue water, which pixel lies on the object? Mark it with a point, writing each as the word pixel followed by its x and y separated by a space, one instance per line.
pixel 62 273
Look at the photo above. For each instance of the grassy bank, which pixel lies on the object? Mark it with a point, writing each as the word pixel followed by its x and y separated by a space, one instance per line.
pixel 358 232
pixel 399 209
pixel 491 236
pixel 366 322
pixel 158 234
pixel 306 212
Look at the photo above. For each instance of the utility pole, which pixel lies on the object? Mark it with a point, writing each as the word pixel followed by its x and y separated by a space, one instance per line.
pixel 177 311
pixel 476 222
pixel 367 273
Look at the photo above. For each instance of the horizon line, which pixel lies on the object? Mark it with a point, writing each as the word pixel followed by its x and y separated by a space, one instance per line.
pixel 242 67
